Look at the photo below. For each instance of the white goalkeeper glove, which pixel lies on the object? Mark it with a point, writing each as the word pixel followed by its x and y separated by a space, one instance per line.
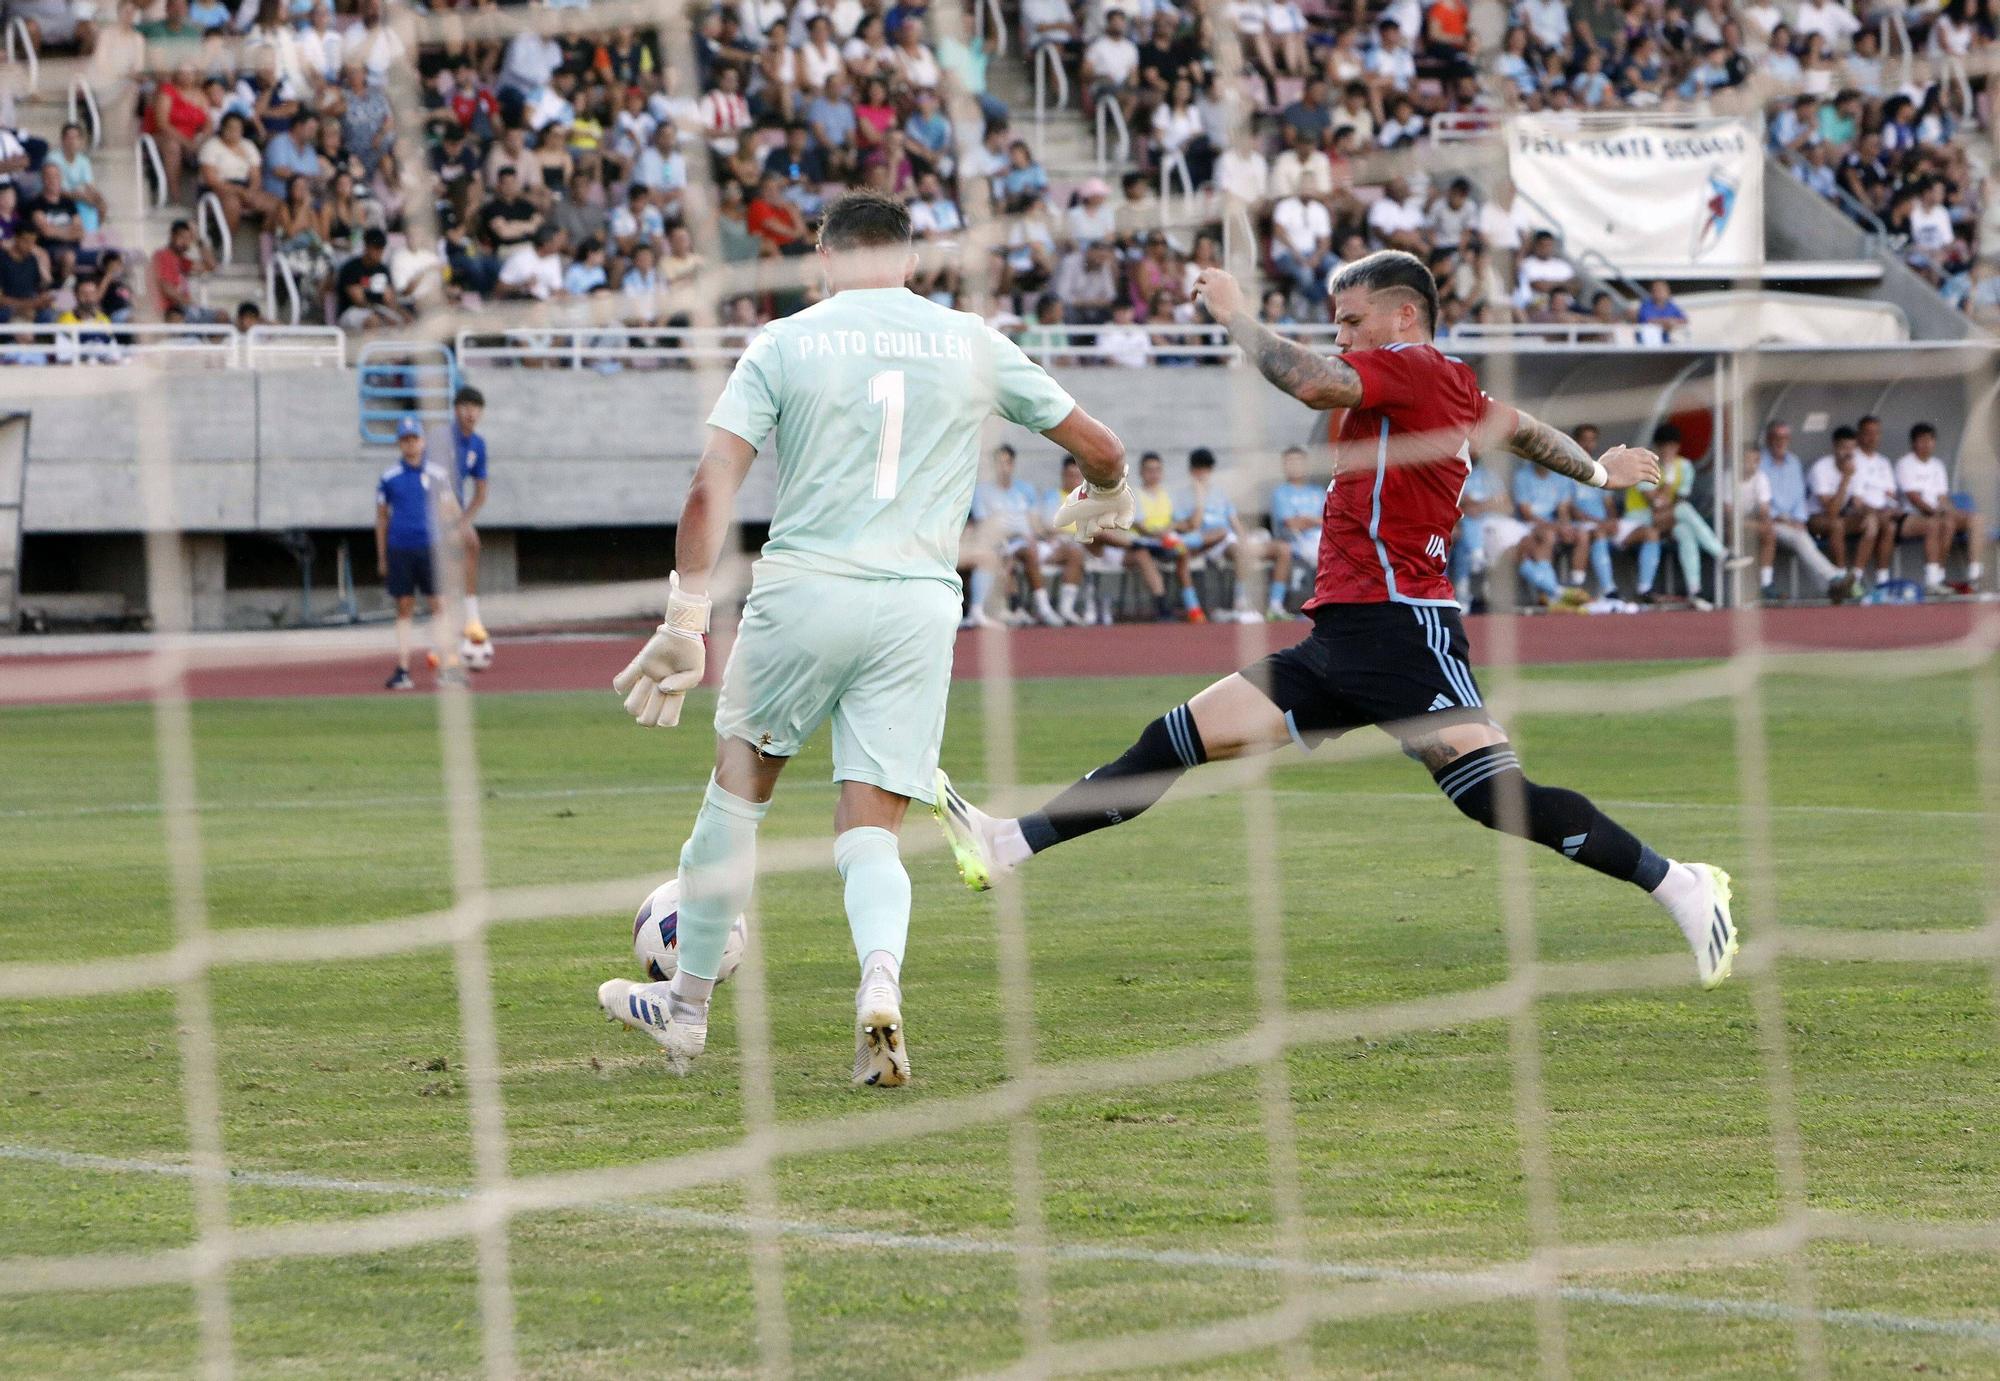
pixel 1094 509
pixel 655 682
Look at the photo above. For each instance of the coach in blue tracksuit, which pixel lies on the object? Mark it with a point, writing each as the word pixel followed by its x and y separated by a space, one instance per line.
pixel 410 499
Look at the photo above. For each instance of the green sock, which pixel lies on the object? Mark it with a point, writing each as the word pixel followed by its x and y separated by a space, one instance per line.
pixel 718 864
pixel 878 891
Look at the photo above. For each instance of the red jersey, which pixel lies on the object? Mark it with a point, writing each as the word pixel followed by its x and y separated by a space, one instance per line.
pixel 1400 462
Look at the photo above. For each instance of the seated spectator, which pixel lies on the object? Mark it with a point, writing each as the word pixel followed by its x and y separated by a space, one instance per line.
pixel 1243 175
pixel 1122 341
pixel 1542 270
pixel 88 312
pixel 934 216
pixel 366 297
pixel 1048 21
pixel 510 219
pixel 79 177
pixel 874 117
pixel 1790 510
pixel 1211 526
pixel 1088 283
pixel 802 167
pixel 1092 218
pixel 177 119
pixel 1111 66
pixel 1298 510
pixel 298 230
pixel 586 274
pixel 1178 129
pixel 638 221
pixel 1396 220
pixel 927 134
pixel 1660 310
pixel 1024 181
pixel 180 270
pixel 1930 514
pixel 58 223
pixel 916 65
pixel 1301 245
pixel 1302 169
pixel 1153 540
pixel 1539 499
pixel 367 121
pixel 57 24
pixel 1391 64
pixel 1852 508
pixel 231 167
pixel 775 221
pixel 832 121
pixel 1452 217
pixel 293 152
pixel 27 286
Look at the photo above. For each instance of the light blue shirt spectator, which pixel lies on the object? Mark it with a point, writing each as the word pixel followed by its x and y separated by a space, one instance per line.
pixel 832 122
pixel 581 279
pixel 1540 491
pixel 1787 474
pixel 286 157
pixel 1587 500
pixel 1217 513
pixel 1290 501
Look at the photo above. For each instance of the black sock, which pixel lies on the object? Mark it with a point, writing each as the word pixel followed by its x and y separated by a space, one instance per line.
pixel 1123 789
pixel 1488 786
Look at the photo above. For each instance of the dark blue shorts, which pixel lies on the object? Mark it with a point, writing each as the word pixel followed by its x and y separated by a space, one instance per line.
pixel 410 572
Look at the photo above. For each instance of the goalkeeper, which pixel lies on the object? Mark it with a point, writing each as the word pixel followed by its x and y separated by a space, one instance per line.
pixel 873 400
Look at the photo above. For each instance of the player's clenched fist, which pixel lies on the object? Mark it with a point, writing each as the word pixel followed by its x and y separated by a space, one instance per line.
pixel 1093 509
pixel 1625 466
pixel 670 664
pixel 1219 292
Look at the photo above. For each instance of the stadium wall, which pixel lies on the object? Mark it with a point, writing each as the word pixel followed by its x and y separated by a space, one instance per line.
pixel 276 451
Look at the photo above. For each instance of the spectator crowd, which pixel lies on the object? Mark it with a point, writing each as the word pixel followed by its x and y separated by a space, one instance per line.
pixel 1213 547
pixel 579 169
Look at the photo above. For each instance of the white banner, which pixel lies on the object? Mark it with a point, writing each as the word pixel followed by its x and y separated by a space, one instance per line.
pixel 1651 198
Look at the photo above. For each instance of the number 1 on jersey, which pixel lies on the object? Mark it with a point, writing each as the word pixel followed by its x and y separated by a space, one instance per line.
pixel 886 389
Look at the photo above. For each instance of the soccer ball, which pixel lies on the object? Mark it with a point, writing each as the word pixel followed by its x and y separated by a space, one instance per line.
pixel 477 656
pixel 654 940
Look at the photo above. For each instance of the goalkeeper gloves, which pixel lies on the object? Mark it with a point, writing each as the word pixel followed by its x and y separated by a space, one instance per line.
pixel 670 664
pixel 1095 509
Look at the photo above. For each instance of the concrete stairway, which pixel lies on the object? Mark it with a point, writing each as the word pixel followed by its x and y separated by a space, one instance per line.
pixel 137 232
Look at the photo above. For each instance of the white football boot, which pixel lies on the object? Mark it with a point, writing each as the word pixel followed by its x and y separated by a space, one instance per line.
pixel 969 831
pixel 881 1056
pixel 1702 912
pixel 643 1007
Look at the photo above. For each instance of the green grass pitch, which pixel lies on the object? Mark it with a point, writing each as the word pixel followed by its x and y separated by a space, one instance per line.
pixel 330 811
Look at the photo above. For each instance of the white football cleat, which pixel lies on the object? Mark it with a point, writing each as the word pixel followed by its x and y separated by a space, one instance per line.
pixel 1715 951
pixel 643 1007
pixel 969 831
pixel 881 1057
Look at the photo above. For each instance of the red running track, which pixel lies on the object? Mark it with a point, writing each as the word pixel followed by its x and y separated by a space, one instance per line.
pixel 220 670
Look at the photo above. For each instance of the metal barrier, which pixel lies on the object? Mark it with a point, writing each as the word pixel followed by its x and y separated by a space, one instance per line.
pixel 311 347
pixel 403 376
pixel 1111 115
pixel 276 273
pixel 1048 72
pixel 83 111
pixel 211 345
pixel 146 158
pixel 21 48
pixel 207 211
pixel 1174 165
pixel 989 26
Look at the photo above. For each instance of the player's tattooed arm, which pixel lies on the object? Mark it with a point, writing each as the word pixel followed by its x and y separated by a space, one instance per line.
pixel 1319 381
pixel 1551 449
pixel 1621 467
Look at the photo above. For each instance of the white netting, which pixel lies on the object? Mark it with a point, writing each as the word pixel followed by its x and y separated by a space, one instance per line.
pixel 1307 1291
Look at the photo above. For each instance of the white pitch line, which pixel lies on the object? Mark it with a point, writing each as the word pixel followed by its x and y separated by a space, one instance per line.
pixel 1875 1320
pixel 695 789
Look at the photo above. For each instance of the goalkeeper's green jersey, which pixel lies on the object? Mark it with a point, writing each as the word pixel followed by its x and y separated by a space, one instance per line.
pixel 877 398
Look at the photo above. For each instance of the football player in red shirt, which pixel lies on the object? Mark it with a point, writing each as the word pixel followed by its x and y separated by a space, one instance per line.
pixel 1387 647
